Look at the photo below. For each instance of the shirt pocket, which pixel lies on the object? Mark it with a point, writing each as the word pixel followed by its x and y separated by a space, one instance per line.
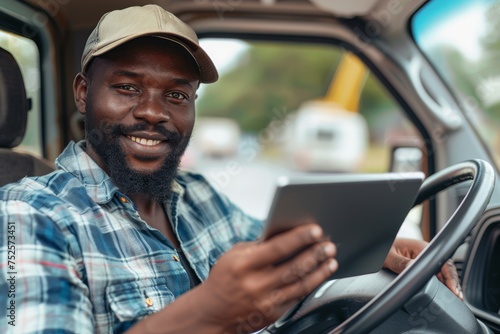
pixel 135 300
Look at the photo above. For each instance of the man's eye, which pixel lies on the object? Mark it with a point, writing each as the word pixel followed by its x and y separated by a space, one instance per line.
pixel 177 96
pixel 126 87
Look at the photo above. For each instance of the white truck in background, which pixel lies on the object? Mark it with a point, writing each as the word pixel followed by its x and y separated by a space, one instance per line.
pixel 329 134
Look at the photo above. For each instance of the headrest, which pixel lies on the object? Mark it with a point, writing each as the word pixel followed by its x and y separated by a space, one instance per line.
pixel 14 105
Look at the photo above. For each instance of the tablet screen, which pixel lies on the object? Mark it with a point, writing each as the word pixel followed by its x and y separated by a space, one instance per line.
pixel 360 213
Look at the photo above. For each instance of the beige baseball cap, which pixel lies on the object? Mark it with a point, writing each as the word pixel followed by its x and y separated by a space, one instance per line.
pixel 120 26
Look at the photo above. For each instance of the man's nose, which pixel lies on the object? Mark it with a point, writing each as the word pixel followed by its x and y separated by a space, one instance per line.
pixel 152 109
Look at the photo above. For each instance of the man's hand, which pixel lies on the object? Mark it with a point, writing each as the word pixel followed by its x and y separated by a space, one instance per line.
pixel 254 283
pixel 402 253
pixel 250 286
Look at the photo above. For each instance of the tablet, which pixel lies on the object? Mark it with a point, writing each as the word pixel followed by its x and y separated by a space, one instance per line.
pixel 360 213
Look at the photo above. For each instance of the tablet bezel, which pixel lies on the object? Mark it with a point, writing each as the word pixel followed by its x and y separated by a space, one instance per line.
pixel 360 199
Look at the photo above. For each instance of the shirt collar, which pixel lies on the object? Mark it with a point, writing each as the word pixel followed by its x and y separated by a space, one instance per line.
pixel 99 186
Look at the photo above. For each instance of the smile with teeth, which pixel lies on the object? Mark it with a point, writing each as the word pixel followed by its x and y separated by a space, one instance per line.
pixel 144 141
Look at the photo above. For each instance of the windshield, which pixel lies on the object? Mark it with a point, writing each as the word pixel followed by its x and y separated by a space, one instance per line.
pixel 281 108
pixel 462 40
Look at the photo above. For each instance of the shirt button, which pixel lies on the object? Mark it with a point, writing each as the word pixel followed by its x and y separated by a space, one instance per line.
pixel 176 258
pixel 123 199
pixel 149 302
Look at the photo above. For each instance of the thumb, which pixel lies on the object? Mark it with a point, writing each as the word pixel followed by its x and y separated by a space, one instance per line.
pixel 397 262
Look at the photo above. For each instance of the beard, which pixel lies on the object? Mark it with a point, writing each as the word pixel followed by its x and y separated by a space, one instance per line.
pixel 157 184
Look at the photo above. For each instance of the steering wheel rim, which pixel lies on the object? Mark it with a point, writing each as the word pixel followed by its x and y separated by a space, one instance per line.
pixel 441 247
pixel 439 250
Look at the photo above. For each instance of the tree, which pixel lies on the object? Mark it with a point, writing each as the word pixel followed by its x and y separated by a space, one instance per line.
pixel 268 77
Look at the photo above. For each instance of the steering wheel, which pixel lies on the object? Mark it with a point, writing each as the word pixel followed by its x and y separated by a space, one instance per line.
pixel 438 251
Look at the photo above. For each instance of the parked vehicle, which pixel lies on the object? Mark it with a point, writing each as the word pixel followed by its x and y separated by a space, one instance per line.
pixel 329 134
pixel 326 138
pixel 216 137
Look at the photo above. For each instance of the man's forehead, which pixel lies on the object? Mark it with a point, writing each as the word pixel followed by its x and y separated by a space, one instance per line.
pixel 131 74
pixel 127 59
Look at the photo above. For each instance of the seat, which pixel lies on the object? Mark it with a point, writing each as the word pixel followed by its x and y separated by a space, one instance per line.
pixel 14 107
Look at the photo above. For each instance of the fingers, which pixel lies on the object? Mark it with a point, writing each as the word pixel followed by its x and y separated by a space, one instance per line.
pixel 410 248
pixel 283 245
pixel 306 262
pixel 304 286
pixel 299 276
pixel 449 276
pixel 396 262
pixel 296 287
pixel 313 262
pixel 404 251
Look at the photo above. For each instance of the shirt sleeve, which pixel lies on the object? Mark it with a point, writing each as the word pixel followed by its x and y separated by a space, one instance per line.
pixel 39 275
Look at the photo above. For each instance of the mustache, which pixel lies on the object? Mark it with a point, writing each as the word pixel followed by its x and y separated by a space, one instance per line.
pixel 118 129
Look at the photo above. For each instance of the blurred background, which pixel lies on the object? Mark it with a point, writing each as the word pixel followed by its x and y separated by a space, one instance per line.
pixel 283 108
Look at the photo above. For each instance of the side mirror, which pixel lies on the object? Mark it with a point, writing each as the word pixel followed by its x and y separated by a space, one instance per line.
pixel 406 159
pixel 409 158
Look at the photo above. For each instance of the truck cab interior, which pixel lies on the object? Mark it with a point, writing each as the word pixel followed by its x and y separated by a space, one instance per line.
pixel 427 103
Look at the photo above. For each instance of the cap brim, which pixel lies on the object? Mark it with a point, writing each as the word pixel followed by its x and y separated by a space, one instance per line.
pixel 208 71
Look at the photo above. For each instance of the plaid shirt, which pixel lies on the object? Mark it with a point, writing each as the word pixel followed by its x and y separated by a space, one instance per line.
pixel 77 258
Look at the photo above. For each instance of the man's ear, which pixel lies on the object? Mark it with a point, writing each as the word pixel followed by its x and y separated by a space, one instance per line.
pixel 80 86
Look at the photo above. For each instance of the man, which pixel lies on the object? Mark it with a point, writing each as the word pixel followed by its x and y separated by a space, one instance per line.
pixel 118 240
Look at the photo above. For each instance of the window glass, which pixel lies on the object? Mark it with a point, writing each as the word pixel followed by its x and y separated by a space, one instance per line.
pixel 25 51
pixel 281 108
pixel 462 40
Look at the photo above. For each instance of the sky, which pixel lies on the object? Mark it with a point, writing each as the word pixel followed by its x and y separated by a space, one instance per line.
pixel 223 53
pixel 460 25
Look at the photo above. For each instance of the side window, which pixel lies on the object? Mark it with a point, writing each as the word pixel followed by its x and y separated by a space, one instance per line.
pixel 25 51
pixel 283 108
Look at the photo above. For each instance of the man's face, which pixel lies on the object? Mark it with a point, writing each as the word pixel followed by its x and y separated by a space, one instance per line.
pixel 138 102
